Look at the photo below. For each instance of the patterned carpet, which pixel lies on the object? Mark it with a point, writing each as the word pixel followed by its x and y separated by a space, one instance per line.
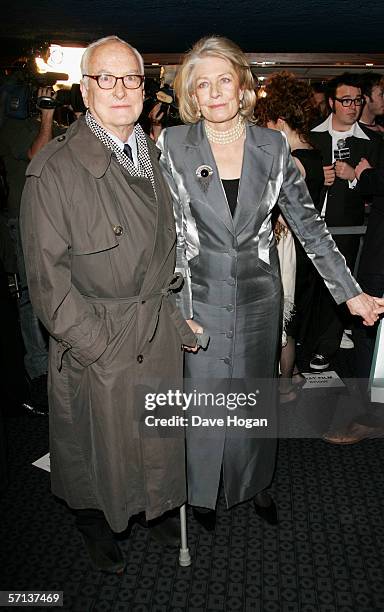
pixel 326 554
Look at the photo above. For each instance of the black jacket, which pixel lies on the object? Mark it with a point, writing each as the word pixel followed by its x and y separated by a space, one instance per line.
pixel 372 256
pixel 345 206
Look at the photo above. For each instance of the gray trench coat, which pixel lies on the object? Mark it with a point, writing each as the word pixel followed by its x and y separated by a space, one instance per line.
pixel 100 255
pixel 232 287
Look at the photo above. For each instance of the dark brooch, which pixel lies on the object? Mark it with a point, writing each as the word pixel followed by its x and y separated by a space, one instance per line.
pixel 204 175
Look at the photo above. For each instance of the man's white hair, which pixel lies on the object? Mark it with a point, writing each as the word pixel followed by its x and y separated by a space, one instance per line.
pixel 103 41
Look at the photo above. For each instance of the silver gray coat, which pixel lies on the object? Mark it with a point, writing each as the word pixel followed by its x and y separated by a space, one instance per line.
pixel 233 288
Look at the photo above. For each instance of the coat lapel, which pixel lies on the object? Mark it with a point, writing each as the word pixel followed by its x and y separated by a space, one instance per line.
pixel 165 234
pixel 96 158
pixel 358 148
pixel 208 190
pixel 257 164
pixel 323 142
pixel 255 173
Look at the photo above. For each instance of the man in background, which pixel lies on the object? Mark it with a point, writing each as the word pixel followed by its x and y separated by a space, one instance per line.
pixel 22 136
pixel 342 142
pixel 372 88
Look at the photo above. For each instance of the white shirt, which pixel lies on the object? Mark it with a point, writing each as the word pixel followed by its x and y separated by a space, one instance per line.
pixel 354 130
pixel 132 143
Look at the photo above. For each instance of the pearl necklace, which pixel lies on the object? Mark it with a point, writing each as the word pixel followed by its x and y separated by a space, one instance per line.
pixel 228 136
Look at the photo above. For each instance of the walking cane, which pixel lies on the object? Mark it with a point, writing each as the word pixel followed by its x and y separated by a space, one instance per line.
pixel 184 556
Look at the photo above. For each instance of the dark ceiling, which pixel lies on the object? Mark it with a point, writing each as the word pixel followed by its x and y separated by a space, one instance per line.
pixel 165 26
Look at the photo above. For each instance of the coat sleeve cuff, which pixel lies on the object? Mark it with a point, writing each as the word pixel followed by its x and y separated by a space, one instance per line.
pixel 87 355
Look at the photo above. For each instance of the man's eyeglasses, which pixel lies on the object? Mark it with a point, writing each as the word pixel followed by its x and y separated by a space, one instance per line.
pixel 349 101
pixel 108 81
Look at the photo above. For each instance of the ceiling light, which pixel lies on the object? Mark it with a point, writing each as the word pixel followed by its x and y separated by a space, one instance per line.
pixel 66 58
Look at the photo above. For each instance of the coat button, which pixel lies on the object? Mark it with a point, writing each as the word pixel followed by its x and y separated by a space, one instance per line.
pixel 230 307
pixel 118 230
pixel 231 282
pixel 140 358
pixel 232 252
pixel 60 138
pixel 229 334
pixel 227 361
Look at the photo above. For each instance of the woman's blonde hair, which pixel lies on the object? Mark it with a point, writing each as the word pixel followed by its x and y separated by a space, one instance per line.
pixel 213 46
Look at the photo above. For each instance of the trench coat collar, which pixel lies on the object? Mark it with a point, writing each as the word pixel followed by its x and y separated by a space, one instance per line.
pixel 89 150
pixel 95 157
pixel 257 163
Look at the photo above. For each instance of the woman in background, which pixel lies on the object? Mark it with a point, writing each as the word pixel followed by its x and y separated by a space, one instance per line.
pixel 288 107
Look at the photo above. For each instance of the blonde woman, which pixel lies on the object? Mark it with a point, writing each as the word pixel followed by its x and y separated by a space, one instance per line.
pixel 226 175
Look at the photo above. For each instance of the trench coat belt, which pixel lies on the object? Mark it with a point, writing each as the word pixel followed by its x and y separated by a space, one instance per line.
pixel 174 283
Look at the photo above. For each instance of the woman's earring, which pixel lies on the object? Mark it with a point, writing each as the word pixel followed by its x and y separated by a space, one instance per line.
pixel 241 103
pixel 199 115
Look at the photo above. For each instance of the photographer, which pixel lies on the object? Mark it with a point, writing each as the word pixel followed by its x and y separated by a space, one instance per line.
pixel 45 133
pixel 159 110
pixel 22 135
pixel 69 105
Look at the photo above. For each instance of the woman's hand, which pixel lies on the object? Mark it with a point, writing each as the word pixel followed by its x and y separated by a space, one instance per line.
pixel 197 329
pixel 367 307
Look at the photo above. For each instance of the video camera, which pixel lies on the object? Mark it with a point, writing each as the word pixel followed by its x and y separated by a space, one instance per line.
pixel 64 97
pixel 19 94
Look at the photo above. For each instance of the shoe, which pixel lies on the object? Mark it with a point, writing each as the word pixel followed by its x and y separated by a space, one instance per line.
pixel 205 517
pixel 35 408
pixel 288 397
pixel 103 550
pixel 354 433
pixel 346 342
pixel 166 529
pixel 265 507
pixel 298 379
pixel 319 362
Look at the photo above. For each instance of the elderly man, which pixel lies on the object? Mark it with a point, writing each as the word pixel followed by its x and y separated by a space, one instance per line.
pixel 99 239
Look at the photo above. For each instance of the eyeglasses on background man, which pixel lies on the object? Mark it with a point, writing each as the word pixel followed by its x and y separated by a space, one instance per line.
pixel 349 101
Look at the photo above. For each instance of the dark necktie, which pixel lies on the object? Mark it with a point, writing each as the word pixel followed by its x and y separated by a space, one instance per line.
pixel 128 152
